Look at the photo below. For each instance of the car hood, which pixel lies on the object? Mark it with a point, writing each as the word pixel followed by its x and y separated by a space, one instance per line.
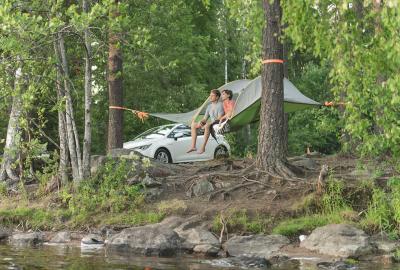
pixel 139 142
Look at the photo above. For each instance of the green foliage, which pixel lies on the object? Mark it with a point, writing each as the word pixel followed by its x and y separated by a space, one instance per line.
pixel 333 200
pixel 3 189
pixel 240 221
pixel 353 44
pixel 379 213
pixel 106 192
pixel 318 129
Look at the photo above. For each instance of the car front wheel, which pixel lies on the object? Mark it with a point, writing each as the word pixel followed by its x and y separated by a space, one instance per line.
pixel 221 152
pixel 163 155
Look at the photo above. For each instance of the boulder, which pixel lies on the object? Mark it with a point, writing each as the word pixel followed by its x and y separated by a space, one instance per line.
pixel 200 188
pixel 306 163
pixel 150 240
pixel 340 240
pixel 172 222
pixel 384 244
pixel 96 161
pixel 27 239
pixel 259 246
pixel 61 238
pixel 118 152
pixel 199 240
pixel 196 237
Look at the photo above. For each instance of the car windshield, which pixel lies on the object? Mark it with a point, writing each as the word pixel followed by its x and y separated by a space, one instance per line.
pixel 157 132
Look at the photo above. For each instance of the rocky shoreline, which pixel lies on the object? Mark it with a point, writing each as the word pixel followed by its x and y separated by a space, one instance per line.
pixel 330 246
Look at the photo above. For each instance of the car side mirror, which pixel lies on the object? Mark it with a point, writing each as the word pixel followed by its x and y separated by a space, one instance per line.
pixel 178 135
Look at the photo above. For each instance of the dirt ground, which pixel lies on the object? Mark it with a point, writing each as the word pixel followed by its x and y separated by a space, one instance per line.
pixel 237 184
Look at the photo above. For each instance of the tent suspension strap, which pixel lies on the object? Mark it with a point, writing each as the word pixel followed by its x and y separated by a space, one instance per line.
pixel 332 104
pixel 270 61
pixel 141 115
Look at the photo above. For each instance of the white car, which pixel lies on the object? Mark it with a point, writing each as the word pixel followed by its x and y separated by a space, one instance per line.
pixel 169 144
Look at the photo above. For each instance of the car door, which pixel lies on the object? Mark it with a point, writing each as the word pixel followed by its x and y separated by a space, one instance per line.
pixel 180 146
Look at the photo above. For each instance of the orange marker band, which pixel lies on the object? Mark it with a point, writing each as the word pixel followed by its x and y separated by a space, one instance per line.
pixel 268 61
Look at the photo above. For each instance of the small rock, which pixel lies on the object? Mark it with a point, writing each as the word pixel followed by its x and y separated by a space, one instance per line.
pixel 302 237
pixel 207 249
pixel 202 187
pixel 92 239
pixel 61 237
pixel 339 265
pixel 242 261
pixel 149 181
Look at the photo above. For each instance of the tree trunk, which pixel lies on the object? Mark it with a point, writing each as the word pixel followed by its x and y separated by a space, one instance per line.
pixel 11 148
pixel 87 139
pixel 271 151
pixel 115 91
pixel 285 115
pixel 73 143
pixel 62 131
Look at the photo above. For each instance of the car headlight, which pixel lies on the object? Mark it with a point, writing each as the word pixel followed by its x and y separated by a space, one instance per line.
pixel 143 147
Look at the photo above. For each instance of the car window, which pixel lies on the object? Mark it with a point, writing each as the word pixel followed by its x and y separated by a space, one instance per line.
pixel 157 132
pixel 182 128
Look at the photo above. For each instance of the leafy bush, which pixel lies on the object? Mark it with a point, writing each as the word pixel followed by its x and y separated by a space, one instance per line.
pixel 106 192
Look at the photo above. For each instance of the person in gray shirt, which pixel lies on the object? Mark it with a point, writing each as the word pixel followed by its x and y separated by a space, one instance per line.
pixel 214 111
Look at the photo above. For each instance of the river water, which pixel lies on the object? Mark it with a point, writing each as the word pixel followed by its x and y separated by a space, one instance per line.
pixel 67 257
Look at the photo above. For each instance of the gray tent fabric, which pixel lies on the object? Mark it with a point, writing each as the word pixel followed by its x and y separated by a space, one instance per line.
pixel 246 93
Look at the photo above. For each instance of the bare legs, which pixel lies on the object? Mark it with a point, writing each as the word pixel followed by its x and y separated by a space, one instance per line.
pixel 194 128
pixel 206 136
pixel 194 137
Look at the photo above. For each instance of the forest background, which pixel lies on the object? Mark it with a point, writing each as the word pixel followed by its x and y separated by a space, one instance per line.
pixel 174 52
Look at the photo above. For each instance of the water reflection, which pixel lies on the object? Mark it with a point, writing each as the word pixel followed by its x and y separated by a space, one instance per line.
pixel 73 257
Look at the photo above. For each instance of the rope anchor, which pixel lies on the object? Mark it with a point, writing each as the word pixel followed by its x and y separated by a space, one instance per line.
pixel 141 115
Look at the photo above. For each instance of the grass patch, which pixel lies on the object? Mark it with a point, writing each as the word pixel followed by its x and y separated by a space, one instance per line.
pixel 174 206
pixel 29 218
pixel 304 225
pixel 240 221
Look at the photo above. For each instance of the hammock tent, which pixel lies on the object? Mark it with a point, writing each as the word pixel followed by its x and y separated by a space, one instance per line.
pixel 247 96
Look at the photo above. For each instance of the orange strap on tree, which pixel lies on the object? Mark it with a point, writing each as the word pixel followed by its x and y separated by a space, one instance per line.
pixel 141 115
pixel 269 61
pixel 331 103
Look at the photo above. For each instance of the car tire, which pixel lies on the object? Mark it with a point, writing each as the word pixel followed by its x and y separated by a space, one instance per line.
pixel 221 152
pixel 163 156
